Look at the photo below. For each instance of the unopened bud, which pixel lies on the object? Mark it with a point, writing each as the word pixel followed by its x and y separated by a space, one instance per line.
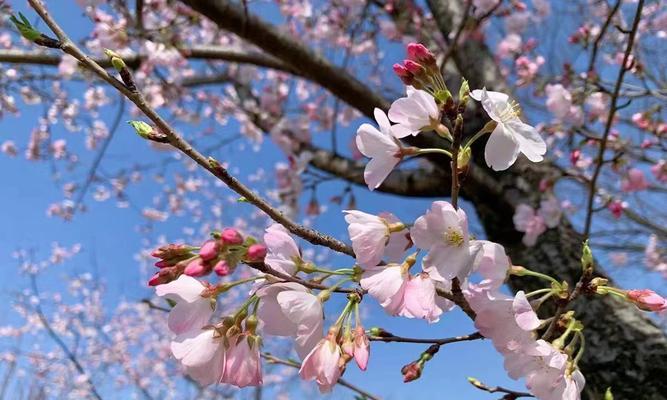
pixel 464 93
pixel 404 75
pixel 464 157
pixel 647 300
pixel 142 129
pixel 419 53
pixel 411 371
pixel 116 60
pixel 586 258
pixel 196 268
pixel 608 395
pixel 256 252
pixel 209 250
pixel 231 236
pixel 221 268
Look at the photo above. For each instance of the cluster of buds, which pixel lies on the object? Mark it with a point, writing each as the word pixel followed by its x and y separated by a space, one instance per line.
pixel 220 255
pixel 421 71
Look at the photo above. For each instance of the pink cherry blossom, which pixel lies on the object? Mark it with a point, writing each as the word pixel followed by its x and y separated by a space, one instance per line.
pixel 511 136
pixel 647 300
pixel 242 362
pixel 202 355
pixel 192 311
pixel 399 240
pixel 490 261
pixel 381 147
pixel 401 294
pixel 528 221
pixel 559 101
pixel 288 309
pixel 414 113
pixel 443 231
pixel 283 253
pixel 322 364
pixel 524 315
pixel 550 211
pixel 369 235
pixel 634 181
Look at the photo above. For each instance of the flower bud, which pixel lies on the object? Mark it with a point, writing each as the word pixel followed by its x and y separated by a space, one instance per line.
pixel 209 250
pixel 256 252
pixel 196 268
pixel 142 129
pixel 231 236
pixel 463 157
pixel 419 53
pixel 362 348
pixel 221 268
pixel 586 258
pixel 404 75
pixel 414 68
pixel 171 251
pixel 116 60
pixel 411 371
pixel 647 300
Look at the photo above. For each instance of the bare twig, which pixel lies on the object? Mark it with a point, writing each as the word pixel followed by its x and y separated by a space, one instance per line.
pixel 610 119
pixel 388 337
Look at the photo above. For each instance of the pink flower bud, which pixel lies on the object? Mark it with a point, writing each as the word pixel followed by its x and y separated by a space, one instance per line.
pixel 209 250
pixel 362 348
pixel 406 77
pixel 647 300
pixel 222 268
pixel 196 267
pixel 414 68
pixel 231 236
pixel 256 252
pixel 161 277
pixel 419 53
pixel 155 280
pixel 170 251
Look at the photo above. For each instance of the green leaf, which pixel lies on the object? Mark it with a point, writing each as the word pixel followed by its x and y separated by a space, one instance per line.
pixel 25 28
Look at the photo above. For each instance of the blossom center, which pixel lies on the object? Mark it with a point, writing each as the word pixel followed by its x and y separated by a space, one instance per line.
pixel 454 237
pixel 511 111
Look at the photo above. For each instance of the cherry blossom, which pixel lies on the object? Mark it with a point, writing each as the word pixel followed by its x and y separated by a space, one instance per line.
pixel 322 363
pixel 283 254
pixel 192 311
pixel 381 147
pixel 415 113
pixel 443 231
pixel 288 309
pixel 372 236
pixel 511 136
pixel 528 221
pixel 243 366
pixel 634 181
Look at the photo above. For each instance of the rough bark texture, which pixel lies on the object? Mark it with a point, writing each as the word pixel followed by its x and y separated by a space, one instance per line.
pixel 625 349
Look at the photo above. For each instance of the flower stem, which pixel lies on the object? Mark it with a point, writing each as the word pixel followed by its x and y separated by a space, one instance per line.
pixel 439 151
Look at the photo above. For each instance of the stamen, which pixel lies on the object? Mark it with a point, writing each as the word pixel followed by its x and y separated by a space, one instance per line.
pixel 454 237
pixel 513 110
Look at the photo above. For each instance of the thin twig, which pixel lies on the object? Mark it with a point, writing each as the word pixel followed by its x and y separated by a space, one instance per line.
pixel 388 337
pixel 610 120
pixel 275 360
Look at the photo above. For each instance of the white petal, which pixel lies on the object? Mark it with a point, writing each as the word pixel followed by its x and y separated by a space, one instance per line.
pixel 501 149
pixel 187 316
pixel 400 131
pixel 377 170
pixel 185 288
pixel 530 142
pixel 382 120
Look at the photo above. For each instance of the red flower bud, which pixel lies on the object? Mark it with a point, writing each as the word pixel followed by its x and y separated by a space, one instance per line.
pixel 414 68
pixel 419 53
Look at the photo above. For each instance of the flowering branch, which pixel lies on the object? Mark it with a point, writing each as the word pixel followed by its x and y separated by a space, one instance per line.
pixel 184 146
